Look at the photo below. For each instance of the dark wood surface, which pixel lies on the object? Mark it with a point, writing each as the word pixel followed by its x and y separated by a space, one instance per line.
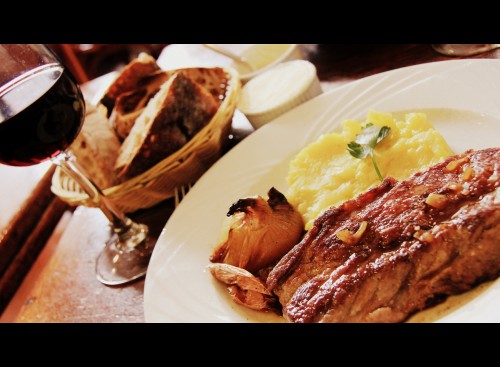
pixel 61 285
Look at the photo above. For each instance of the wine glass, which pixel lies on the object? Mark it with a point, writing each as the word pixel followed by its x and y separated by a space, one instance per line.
pixel 463 49
pixel 41 112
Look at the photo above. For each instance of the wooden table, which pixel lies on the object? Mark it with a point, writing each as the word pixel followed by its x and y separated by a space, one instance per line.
pixel 60 285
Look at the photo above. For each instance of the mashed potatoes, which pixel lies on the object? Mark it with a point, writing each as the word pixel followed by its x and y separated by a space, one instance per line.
pixel 325 174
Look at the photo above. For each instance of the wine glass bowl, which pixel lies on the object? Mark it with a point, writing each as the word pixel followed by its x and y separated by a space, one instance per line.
pixel 34 125
pixel 42 110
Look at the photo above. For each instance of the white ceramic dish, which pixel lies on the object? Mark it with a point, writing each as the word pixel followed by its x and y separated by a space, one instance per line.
pixel 292 53
pixel 278 90
pixel 462 99
pixel 196 55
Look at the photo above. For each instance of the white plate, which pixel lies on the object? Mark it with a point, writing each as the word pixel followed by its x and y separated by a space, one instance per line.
pixel 462 99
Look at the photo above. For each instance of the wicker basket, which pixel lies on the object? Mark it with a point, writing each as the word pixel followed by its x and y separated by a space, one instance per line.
pixel 183 167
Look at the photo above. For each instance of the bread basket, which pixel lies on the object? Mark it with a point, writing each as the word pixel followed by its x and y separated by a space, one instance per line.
pixel 182 167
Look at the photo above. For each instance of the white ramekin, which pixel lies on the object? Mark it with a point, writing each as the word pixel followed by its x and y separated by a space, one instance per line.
pixel 292 53
pixel 277 90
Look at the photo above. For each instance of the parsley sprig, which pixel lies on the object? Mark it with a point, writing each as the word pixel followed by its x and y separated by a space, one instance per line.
pixel 365 143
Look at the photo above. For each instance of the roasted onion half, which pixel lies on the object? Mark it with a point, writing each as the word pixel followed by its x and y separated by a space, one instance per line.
pixel 260 232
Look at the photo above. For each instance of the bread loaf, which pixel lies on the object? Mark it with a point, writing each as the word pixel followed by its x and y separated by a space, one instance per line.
pixel 214 80
pixel 96 146
pixel 129 78
pixel 129 105
pixel 171 118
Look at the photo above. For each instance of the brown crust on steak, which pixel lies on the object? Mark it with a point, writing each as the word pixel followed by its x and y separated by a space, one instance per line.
pixel 415 249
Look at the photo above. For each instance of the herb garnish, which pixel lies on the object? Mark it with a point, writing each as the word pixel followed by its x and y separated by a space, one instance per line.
pixel 365 143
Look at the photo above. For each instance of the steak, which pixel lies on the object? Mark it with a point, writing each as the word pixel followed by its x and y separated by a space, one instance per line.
pixel 399 247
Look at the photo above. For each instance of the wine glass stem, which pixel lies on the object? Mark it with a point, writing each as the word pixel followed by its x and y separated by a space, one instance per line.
pixel 119 221
pixel 126 254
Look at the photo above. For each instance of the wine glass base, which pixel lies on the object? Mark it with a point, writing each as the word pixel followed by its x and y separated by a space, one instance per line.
pixel 119 263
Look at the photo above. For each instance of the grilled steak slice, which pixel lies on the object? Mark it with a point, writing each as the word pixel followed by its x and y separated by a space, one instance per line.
pixel 399 247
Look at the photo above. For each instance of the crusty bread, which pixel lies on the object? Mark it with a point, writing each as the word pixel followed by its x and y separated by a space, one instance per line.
pixel 96 146
pixel 129 78
pixel 171 118
pixel 129 105
pixel 213 80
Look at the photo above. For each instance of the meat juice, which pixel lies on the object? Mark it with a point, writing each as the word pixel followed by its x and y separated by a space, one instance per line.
pixel 41 113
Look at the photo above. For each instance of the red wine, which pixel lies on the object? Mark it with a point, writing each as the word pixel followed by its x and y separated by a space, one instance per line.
pixel 41 113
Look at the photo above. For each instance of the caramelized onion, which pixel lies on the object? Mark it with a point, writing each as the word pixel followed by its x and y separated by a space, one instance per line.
pixel 260 233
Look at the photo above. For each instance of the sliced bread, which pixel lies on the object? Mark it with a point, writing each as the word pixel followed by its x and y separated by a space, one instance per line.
pixel 130 105
pixel 214 80
pixel 172 117
pixel 128 79
pixel 96 146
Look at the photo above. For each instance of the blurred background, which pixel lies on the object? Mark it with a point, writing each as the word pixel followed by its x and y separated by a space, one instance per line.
pixel 89 61
pixel 351 61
